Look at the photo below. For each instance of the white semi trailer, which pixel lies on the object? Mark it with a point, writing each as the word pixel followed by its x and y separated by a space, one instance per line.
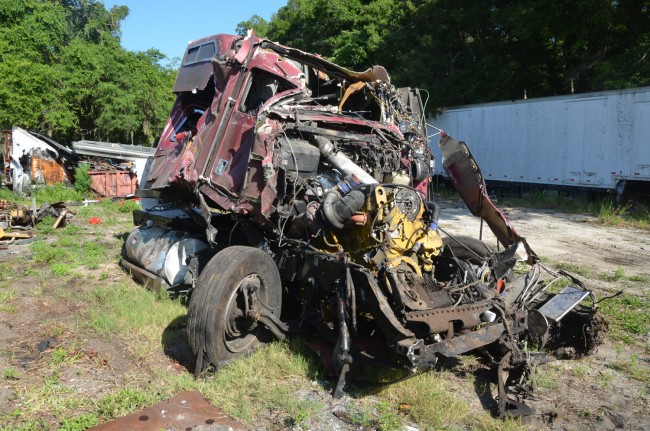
pixel 598 140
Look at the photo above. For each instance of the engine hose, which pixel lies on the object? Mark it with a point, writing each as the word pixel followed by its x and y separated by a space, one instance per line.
pixel 337 210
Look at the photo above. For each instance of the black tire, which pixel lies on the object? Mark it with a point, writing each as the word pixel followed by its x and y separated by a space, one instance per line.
pixel 217 330
pixel 476 246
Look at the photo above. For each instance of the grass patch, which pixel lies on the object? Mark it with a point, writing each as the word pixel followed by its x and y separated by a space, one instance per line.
pixel 69 252
pixel 78 423
pixel 630 214
pixel 552 200
pixel 633 369
pixel 619 275
pixel 5 272
pixel 10 374
pixel 6 296
pixel 122 402
pixel 376 415
pixel 7 195
pixel 628 316
pixel 545 377
pixel 639 278
pixel 432 405
pixel 123 206
pixel 57 193
pixel 606 211
pixel 61 355
pixel 266 380
pixel 570 267
pixel 130 309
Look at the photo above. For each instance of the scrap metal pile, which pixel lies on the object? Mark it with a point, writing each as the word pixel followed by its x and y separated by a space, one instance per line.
pixel 17 221
pixel 290 194
pixel 31 159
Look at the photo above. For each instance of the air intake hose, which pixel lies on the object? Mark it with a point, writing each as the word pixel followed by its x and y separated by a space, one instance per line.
pixel 337 210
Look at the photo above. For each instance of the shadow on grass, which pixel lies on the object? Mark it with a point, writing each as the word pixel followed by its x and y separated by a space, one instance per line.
pixel 175 344
pixel 176 347
pixel 483 374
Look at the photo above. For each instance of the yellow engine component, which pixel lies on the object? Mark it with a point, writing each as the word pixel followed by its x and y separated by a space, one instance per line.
pixel 404 231
pixel 395 232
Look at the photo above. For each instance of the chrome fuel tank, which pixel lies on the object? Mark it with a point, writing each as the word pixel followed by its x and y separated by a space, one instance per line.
pixel 165 253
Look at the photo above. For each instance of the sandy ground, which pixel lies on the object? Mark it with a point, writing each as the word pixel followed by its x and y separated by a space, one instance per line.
pixel 570 238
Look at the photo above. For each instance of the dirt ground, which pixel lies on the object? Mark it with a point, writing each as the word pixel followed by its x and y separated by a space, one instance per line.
pixel 586 394
pixel 597 397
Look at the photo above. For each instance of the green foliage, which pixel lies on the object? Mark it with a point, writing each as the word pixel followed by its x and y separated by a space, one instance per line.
pixel 7 295
pixel 120 403
pixel 79 423
pixel 82 180
pixel 469 51
pixel 7 195
pixel 256 23
pixel 634 214
pixel 69 252
pixel 57 193
pixel 63 72
pixel 628 316
pixel 58 356
pixel 11 374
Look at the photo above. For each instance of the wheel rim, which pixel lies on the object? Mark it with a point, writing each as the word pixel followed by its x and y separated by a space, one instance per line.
pixel 240 331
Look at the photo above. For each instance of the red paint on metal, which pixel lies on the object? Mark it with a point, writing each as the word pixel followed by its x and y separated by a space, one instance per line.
pixel 114 183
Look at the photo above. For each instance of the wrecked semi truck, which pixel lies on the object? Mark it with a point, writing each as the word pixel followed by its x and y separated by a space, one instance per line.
pixel 289 194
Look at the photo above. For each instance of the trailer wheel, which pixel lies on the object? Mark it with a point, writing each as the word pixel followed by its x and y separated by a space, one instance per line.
pixel 221 324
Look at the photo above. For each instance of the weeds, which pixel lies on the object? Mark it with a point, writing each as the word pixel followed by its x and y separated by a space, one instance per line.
pixel 68 252
pixel 630 214
pixel 61 355
pixel 5 301
pixel 604 209
pixel 57 193
pixel 7 195
pixel 121 402
pixel 10 374
pixel 78 423
pixel 5 272
pixel 580 270
pixel 634 369
pixel 619 275
pixel 627 315
pixel 82 180
pixel 6 296
pixel 545 377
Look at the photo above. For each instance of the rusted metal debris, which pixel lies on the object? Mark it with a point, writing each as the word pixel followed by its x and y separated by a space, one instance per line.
pixel 31 159
pixel 35 159
pixel 117 169
pixel 17 221
pixel 186 411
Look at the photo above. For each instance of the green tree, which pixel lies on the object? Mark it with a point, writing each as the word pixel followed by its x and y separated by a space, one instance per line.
pixel 64 73
pixel 470 51
pixel 256 23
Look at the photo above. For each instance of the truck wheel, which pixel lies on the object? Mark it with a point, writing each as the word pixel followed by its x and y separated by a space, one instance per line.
pixel 219 328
